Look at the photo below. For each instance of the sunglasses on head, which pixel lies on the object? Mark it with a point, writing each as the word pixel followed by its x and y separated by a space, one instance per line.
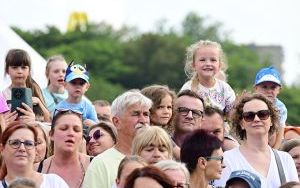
pixel 66 111
pixel 97 134
pixel 250 116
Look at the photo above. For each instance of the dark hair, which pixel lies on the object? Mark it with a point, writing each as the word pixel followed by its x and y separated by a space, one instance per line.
pixel 10 129
pixel 237 112
pixel 199 143
pixel 156 93
pixel 290 184
pixel 108 127
pixel 190 93
pixel 211 110
pixel 19 57
pixel 151 172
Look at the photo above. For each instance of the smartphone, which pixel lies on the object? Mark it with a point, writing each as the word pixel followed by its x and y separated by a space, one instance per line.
pixel 19 96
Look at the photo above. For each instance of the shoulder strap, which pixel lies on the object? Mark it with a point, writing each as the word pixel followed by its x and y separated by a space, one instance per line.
pixel 91 158
pixel 40 168
pixel 279 167
pixel 54 98
pixel 4 184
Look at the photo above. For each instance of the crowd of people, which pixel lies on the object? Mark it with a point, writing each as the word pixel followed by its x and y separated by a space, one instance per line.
pixel 204 136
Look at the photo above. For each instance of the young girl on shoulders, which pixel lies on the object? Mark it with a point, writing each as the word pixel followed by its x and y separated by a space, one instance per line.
pixel 204 61
pixel 18 67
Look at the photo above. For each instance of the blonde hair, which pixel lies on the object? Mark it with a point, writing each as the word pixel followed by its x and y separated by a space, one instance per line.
pixel 151 134
pixel 50 60
pixel 190 58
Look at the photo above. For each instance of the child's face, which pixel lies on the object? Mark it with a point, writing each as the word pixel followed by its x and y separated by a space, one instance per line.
pixel 77 87
pixel 163 112
pixel 269 89
pixel 18 74
pixel 207 62
pixel 57 71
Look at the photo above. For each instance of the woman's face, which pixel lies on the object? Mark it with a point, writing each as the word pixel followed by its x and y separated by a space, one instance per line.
pixel 214 165
pixel 57 71
pixel 67 133
pixel 41 147
pixel 99 142
pixel 16 154
pixel 154 153
pixel 260 123
pixel 178 177
pixel 163 112
pixel 127 169
pixel 295 153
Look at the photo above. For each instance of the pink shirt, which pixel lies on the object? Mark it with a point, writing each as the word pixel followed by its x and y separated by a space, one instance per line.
pixel 3 104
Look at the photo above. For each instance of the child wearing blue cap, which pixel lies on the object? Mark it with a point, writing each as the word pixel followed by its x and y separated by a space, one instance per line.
pixel 268 83
pixel 77 83
pixel 243 179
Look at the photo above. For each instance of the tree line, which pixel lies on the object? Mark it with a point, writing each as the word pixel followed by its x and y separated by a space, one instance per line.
pixel 125 58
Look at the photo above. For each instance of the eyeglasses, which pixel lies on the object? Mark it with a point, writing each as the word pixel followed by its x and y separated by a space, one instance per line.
pixel 66 111
pixel 182 185
pixel 250 116
pixel 29 144
pixel 97 134
pixel 217 158
pixel 185 111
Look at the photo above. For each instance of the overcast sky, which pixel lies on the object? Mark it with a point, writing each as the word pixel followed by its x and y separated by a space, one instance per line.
pixel 264 22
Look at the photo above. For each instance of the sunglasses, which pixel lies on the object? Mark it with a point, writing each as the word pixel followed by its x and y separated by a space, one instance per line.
pixel 97 134
pixel 217 158
pixel 250 116
pixel 16 144
pixel 185 111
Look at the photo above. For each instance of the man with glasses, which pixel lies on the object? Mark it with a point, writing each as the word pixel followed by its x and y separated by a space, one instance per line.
pixel 130 112
pixel 189 108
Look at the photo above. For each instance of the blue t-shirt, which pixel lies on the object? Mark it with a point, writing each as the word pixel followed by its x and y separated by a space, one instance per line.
pixel 282 112
pixel 84 106
pixel 52 99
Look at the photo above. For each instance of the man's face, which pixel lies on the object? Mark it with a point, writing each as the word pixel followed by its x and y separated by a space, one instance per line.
pixel 103 112
pixel 186 120
pixel 131 119
pixel 214 124
pixel 269 89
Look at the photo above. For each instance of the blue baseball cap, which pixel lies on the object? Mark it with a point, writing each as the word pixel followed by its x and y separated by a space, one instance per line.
pixel 76 71
pixel 268 74
pixel 251 179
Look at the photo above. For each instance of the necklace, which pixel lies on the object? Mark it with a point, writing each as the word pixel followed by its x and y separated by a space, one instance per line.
pixel 81 168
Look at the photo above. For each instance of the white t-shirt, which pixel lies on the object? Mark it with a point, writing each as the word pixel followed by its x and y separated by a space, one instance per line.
pixel 220 95
pixel 50 181
pixel 234 160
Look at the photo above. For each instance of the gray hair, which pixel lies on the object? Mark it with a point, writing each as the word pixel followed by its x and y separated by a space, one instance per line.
pixel 290 144
pixel 173 165
pixel 131 97
pixel 21 182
